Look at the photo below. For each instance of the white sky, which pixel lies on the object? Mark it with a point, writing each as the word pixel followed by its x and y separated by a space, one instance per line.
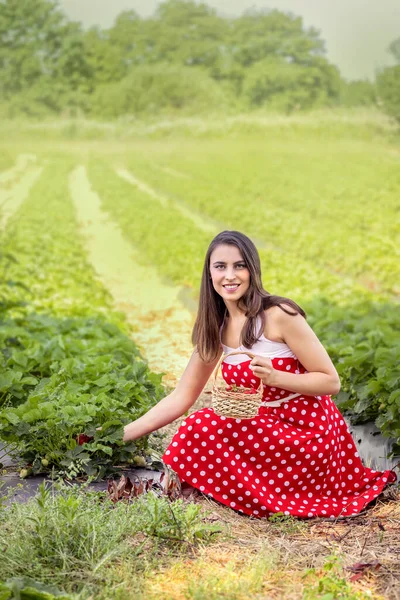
pixel 356 32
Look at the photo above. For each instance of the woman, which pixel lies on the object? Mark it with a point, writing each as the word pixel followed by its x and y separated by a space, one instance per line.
pixel 297 455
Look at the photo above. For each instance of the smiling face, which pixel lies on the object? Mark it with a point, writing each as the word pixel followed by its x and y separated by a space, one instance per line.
pixel 229 274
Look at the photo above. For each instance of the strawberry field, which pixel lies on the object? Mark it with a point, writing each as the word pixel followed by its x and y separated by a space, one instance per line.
pixel 101 250
pixel 325 218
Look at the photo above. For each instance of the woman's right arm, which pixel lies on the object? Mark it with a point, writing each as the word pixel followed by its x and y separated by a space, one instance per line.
pixel 174 405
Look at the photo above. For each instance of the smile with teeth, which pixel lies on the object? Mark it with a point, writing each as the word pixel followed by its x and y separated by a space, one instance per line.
pixel 231 286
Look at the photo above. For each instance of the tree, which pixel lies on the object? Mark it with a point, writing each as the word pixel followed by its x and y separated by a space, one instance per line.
pixel 42 57
pixel 394 49
pixel 388 82
pixel 29 38
pixel 262 34
pixel 281 85
pixel 360 92
pixel 263 58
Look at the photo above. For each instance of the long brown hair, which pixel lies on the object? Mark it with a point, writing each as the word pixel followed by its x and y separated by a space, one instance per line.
pixel 212 309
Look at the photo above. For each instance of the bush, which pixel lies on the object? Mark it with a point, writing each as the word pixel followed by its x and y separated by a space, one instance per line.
pixel 388 82
pixel 159 88
pixel 280 85
pixel 358 93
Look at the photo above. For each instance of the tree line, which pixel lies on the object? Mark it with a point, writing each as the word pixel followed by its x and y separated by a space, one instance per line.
pixel 185 58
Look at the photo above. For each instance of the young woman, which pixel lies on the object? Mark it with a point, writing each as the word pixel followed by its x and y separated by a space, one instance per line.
pixel 297 455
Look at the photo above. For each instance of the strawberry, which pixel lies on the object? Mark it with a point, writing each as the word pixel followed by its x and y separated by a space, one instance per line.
pixel 82 438
pixel 228 388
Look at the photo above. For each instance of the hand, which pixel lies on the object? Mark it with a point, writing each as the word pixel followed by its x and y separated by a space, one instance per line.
pixel 262 368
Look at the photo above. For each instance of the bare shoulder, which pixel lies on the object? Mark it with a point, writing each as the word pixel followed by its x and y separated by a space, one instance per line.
pixel 277 321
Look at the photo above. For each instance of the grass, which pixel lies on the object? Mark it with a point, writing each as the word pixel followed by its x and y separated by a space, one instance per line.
pixel 286 558
pixel 77 539
pixel 364 123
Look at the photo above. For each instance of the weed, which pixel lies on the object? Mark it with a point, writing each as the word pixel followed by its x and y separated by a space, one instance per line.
pixel 330 584
pixel 286 523
pixel 79 532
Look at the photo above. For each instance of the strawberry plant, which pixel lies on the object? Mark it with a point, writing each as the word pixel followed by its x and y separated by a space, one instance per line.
pixel 67 365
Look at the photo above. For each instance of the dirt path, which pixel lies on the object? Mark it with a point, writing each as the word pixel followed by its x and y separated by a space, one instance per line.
pixel 12 199
pixel 162 324
pixel 23 161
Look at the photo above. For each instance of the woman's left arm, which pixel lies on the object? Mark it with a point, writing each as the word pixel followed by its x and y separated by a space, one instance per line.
pixel 321 378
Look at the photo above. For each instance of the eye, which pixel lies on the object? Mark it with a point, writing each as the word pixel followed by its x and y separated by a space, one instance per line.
pixel 241 266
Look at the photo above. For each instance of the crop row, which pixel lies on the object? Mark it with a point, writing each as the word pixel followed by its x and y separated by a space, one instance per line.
pixel 177 247
pixel 7 158
pixel 67 364
pixel 335 206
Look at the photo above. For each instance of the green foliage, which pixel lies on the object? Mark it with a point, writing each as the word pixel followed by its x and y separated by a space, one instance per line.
pixel 358 93
pixel 388 81
pixel 42 61
pixel 260 34
pixel 62 377
pixel 26 588
pixel 275 179
pixel 154 228
pixel 49 65
pixel 67 365
pixel 364 343
pixel 175 523
pixel 79 532
pixel 30 33
pixel 160 88
pixel 286 524
pixel 394 49
pixel 280 85
pixel 330 583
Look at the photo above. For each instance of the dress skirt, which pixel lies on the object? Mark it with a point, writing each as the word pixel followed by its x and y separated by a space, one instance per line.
pixel 297 458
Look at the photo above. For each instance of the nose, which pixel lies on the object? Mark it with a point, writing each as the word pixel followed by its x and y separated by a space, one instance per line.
pixel 230 275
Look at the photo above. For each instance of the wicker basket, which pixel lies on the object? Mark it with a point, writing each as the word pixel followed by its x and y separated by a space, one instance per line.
pixel 235 404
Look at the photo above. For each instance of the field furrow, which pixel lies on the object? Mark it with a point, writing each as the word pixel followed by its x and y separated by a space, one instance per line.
pixel 67 362
pixel 13 198
pixel 337 207
pixel 176 244
pixel 22 162
pixel 198 220
pixel 161 323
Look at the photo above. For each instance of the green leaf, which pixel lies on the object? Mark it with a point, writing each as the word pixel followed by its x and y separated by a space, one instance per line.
pixel 105 449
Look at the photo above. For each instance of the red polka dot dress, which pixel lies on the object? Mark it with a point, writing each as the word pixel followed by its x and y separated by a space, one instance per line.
pixel 296 456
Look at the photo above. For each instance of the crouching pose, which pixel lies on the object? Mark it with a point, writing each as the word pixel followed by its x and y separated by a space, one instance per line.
pixel 296 455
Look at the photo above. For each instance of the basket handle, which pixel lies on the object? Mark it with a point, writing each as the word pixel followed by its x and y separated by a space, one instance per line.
pixel 223 356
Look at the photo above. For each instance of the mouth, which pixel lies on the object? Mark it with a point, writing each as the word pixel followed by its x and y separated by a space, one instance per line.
pixel 231 287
